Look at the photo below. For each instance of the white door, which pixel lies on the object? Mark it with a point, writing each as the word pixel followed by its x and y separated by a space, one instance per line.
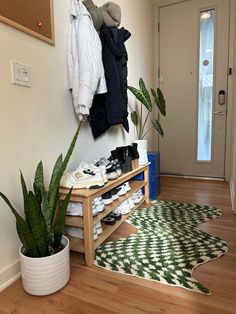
pixel 193 61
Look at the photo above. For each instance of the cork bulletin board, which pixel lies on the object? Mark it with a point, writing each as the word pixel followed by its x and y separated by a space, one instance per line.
pixel 34 17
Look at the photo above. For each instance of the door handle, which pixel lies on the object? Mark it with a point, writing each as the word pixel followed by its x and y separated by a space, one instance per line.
pixel 219 112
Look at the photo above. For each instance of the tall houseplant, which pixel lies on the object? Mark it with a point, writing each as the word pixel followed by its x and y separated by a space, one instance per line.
pixel 41 228
pixel 143 95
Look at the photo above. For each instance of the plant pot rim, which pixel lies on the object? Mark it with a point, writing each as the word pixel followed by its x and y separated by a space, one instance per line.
pixel 45 257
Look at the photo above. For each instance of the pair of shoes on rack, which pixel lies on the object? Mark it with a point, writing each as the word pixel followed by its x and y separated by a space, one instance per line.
pixel 112 218
pixel 98 204
pixel 85 176
pixel 125 156
pixel 79 232
pixel 76 208
pixel 113 170
pixel 113 194
pixel 138 196
pixel 125 207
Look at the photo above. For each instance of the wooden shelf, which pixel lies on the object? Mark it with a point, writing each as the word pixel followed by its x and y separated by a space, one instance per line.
pixel 77 221
pixel 77 244
pixel 86 196
pixel 111 184
pixel 108 230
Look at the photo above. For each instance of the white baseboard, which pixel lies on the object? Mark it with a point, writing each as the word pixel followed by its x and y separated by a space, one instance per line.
pixel 9 275
pixel 232 194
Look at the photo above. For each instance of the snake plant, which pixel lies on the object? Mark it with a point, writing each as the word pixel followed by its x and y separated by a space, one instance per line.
pixel 143 95
pixel 41 228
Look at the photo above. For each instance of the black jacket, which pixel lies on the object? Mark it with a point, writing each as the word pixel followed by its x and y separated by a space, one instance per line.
pixel 111 108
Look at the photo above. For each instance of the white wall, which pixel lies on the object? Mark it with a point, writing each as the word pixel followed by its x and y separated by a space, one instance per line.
pixel 38 123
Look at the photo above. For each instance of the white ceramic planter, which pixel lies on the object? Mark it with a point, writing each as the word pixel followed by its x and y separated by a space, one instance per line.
pixel 142 144
pixel 45 275
pixel 142 150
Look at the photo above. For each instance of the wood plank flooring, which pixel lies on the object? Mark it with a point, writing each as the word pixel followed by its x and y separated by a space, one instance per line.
pixel 94 290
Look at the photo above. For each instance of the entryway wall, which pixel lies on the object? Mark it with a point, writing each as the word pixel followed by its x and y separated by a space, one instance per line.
pixel 38 123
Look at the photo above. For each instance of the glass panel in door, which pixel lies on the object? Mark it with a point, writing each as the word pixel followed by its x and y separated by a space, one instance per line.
pixel 206 88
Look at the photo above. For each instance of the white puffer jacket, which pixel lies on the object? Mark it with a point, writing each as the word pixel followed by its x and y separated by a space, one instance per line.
pixel 84 60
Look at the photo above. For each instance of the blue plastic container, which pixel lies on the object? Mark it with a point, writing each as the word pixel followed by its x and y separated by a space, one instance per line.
pixel 154 175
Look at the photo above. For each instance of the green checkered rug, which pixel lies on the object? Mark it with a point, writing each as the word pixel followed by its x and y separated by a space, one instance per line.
pixel 167 246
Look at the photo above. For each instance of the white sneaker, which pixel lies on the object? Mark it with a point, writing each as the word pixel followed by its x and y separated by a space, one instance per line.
pixel 121 190
pixel 99 204
pixel 107 198
pixel 79 232
pixel 127 186
pixel 99 168
pixel 117 210
pixel 115 163
pixel 74 209
pixel 96 168
pixel 131 203
pixel 124 207
pixel 98 201
pixel 99 227
pixel 111 172
pixel 95 210
pixel 114 194
pixel 81 178
pixel 138 197
pixel 104 172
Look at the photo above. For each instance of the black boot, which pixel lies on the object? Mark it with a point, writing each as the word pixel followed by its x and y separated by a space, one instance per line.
pixel 126 164
pixel 135 150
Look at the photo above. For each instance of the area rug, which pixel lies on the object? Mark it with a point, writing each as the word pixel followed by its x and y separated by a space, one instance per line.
pixel 167 246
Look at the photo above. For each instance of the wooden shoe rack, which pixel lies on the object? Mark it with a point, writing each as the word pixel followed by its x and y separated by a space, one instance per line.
pixel 86 196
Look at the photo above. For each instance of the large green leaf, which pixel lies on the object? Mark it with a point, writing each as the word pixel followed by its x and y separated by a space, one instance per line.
pixel 159 100
pixel 145 92
pixel 23 231
pixel 38 178
pixel 53 183
pixel 59 220
pixel 134 118
pixel 41 196
pixel 54 186
pixel 37 224
pixel 45 208
pixel 141 97
pixel 25 193
pixel 162 101
pixel 158 127
pixel 38 182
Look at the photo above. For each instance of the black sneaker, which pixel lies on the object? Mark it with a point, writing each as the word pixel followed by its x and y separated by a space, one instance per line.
pixel 109 220
pixel 126 165
pixel 107 198
pixel 117 216
pixel 133 150
pixel 116 163
pixel 114 194
pixel 111 171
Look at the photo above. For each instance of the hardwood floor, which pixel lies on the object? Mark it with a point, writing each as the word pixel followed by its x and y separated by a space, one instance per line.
pixel 94 290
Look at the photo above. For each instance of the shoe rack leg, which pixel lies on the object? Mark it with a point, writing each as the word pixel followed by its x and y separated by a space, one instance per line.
pixel 146 188
pixel 88 231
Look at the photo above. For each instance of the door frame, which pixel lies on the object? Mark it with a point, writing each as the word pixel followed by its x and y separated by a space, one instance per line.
pixel 230 105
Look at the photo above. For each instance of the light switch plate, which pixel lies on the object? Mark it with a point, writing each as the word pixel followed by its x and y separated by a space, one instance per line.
pixel 20 74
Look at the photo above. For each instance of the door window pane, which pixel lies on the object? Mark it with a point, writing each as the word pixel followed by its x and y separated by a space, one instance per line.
pixel 206 79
